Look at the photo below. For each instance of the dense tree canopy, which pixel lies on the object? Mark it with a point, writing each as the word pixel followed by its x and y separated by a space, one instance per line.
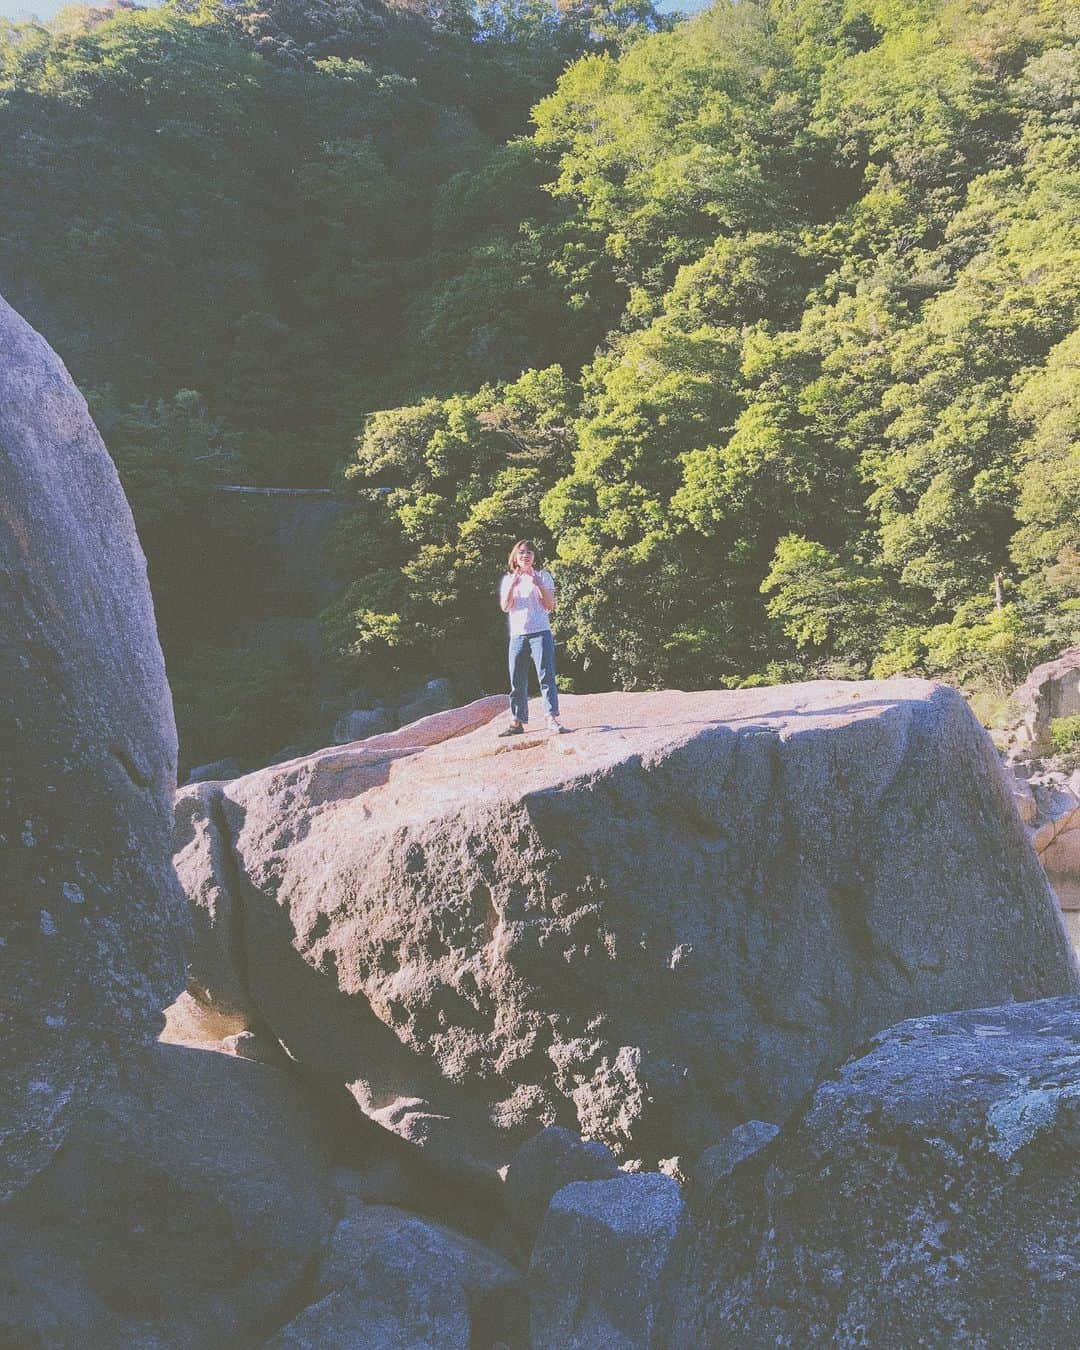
pixel 254 201
pixel 832 425
pixel 766 327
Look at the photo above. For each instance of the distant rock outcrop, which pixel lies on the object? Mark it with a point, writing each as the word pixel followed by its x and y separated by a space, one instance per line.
pixel 89 945
pixel 1052 690
pixel 669 922
pixel 1045 784
pixel 927 1196
pixel 1054 827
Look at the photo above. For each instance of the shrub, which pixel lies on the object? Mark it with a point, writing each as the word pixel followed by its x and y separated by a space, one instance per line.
pixel 1065 734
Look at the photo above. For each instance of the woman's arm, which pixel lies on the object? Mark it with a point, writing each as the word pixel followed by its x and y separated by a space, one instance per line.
pixel 546 587
pixel 506 591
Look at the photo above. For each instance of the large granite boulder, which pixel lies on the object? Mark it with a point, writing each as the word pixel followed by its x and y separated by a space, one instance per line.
pixel 927 1196
pixel 89 943
pixel 185 1209
pixel 670 921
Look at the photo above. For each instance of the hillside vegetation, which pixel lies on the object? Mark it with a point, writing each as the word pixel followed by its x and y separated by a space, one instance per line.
pixel 766 325
pixel 832 427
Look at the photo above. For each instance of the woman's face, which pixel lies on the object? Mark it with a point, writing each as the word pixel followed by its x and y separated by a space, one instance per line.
pixel 524 558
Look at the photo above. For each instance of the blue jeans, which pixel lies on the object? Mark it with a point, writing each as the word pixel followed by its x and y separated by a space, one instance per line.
pixel 541 648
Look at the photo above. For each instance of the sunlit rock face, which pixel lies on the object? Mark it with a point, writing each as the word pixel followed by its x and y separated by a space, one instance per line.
pixel 91 909
pixel 676 918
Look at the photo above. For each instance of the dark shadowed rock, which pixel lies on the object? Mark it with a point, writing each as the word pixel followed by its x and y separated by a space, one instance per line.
pixel 202 857
pixel 89 950
pixel 218 771
pixel 392 1281
pixel 436 696
pixel 719 1161
pixel 927 1196
pixel 599 1262
pixel 548 1162
pixel 183 1210
pixel 359 723
pixel 678 917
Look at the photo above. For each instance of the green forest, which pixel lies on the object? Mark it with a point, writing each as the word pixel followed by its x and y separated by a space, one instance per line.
pixel 764 324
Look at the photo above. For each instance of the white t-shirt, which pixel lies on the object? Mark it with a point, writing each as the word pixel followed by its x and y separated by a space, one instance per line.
pixel 527 614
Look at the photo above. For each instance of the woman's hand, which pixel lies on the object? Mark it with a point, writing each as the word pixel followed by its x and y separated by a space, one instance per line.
pixel 508 600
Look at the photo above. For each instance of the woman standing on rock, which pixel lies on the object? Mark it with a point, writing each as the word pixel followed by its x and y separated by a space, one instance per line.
pixel 528 597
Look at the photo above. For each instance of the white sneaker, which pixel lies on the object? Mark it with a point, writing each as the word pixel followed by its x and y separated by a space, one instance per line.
pixel 555 726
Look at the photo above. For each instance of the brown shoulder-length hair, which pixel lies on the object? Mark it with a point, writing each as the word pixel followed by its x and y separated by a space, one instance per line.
pixel 521 543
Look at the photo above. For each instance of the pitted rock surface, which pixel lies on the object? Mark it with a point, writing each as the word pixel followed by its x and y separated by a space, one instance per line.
pixel 676 918
pixel 927 1196
pixel 89 939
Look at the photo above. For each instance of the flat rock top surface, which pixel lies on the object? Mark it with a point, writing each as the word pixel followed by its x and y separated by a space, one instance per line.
pixel 403 780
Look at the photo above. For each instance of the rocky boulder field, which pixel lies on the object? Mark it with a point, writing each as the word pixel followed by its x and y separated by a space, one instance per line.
pixel 658 1034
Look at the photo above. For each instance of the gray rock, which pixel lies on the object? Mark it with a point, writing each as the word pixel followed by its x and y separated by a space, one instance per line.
pixel 600 1258
pixel 1024 798
pixel 92 914
pixel 216 974
pixel 1052 690
pixel 183 1210
pixel 717 1163
pixel 339 1040
pixel 379 1181
pixel 436 696
pixel 678 917
pixel 392 1281
pixel 548 1162
pixel 927 1196
pixel 360 723
pixel 220 770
